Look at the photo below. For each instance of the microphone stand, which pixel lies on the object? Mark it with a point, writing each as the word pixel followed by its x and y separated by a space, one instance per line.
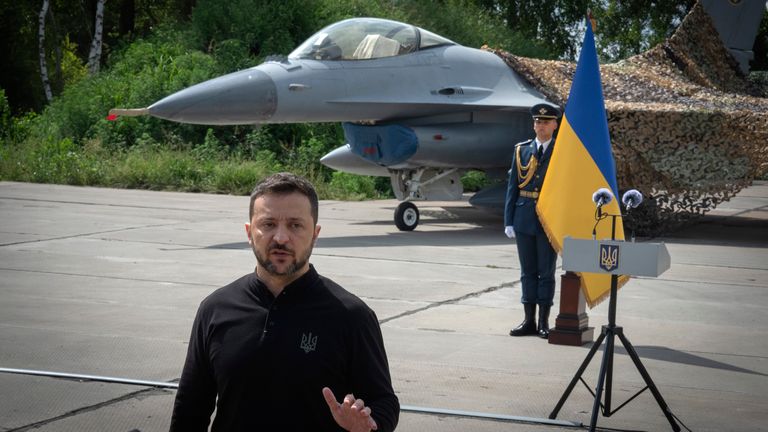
pixel 605 377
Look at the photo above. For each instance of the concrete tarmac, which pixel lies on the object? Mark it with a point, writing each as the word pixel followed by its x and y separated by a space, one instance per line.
pixel 106 282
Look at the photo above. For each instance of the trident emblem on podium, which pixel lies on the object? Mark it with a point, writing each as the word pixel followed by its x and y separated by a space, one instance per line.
pixel 609 257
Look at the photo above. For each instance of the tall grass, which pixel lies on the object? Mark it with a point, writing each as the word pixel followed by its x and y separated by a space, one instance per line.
pixel 159 168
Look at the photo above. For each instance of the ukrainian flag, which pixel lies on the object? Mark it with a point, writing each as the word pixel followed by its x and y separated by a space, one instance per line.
pixel 582 162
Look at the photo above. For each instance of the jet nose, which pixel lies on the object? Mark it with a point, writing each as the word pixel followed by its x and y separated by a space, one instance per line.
pixel 244 97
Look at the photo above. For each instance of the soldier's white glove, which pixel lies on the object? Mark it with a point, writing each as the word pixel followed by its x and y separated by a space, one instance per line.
pixel 509 231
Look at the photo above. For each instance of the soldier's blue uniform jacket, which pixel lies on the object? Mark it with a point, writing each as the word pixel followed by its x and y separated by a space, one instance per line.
pixel 520 209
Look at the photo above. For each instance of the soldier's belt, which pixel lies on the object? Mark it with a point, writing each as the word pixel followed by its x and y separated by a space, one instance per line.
pixel 529 194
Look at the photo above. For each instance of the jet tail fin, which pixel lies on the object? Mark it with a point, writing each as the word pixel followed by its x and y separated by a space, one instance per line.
pixel 737 23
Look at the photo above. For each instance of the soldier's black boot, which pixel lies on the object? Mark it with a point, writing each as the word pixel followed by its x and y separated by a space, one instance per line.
pixel 544 321
pixel 528 326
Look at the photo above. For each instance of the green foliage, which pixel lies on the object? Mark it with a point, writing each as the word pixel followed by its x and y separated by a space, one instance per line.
pixel 211 148
pixel 624 28
pixel 232 55
pixel 550 23
pixel 352 187
pixel 144 166
pixel 304 157
pixel 162 169
pixel 465 22
pixel 628 28
pixel 51 161
pixel 239 177
pixel 72 68
pixel 147 71
pixel 330 11
pixel 15 130
pixel 6 120
pixel 264 26
pixel 473 181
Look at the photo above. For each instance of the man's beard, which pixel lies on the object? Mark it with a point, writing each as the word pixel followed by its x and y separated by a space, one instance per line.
pixel 270 268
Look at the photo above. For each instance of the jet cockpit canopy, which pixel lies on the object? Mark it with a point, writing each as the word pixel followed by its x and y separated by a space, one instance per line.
pixel 365 39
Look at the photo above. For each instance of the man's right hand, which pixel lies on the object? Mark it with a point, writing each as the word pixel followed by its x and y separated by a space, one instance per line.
pixel 352 414
pixel 509 231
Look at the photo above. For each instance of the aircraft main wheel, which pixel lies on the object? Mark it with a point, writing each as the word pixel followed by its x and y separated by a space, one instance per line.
pixel 406 216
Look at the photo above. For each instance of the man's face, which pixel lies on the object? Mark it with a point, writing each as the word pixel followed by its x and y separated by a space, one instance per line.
pixel 282 234
pixel 544 128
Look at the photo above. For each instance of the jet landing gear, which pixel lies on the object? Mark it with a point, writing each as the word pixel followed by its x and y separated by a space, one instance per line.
pixel 406 216
pixel 428 184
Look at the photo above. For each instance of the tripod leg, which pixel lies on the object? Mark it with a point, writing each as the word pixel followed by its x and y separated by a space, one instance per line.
pixel 649 382
pixel 576 377
pixel 607 355
pixel 610 344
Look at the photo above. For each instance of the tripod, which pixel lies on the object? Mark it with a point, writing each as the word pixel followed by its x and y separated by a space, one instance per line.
pixel 605 377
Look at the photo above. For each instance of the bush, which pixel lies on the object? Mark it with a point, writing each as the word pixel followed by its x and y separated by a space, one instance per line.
pixel 239 177
pixel 277 27
pixel 473 181
pixel 351 187
pixel 51 161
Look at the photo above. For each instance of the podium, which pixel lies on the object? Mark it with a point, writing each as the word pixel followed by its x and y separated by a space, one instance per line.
pixel 615 258
pixel 633 259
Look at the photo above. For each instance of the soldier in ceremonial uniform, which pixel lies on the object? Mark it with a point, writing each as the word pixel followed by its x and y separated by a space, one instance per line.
pixel 537 258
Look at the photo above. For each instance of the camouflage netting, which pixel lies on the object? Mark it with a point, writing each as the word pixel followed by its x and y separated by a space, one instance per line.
pixel 685 130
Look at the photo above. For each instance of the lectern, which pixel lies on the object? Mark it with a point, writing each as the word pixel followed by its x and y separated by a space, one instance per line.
pixel 614 258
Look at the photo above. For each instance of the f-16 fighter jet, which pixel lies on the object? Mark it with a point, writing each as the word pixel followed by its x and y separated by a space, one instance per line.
pixel 415 107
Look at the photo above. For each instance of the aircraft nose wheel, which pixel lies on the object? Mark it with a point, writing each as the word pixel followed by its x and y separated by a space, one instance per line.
pixel 406 216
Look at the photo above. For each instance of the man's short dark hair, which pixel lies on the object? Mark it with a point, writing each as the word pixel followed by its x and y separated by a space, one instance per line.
pixel 282 184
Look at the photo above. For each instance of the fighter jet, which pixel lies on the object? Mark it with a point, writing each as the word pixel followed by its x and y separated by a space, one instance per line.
pixel 422 110
pixel 415 106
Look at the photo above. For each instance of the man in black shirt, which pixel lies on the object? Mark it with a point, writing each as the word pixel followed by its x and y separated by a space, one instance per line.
pixel 271 350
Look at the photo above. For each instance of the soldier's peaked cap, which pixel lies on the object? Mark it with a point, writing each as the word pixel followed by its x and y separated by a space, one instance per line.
pixel 545 111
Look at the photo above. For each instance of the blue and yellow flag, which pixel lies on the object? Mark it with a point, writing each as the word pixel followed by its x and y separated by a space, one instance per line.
pixel 582 162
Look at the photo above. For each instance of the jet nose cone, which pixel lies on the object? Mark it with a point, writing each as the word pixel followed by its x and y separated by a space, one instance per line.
pixel 244 97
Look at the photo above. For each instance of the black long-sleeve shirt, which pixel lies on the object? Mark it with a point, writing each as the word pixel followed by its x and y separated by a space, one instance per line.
pixel 267 359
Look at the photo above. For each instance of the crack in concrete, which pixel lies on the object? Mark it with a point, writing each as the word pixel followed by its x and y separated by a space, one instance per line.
pixel 111 205
pixel 108 277
pixel 88 234
pixel 412 261
pixel 449 301
pixel 87 409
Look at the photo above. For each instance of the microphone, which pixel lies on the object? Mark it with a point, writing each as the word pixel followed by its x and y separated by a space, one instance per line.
pixel 632 198
pixel 602 197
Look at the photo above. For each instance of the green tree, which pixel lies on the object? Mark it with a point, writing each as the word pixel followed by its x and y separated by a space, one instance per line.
pixel 628 28
pixel 20 74
pixel 624 28
pixel 553 23
pixel 265 27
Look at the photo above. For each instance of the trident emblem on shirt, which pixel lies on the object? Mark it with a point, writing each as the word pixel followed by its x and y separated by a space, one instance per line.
pixel 609 257
pixel 308 343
